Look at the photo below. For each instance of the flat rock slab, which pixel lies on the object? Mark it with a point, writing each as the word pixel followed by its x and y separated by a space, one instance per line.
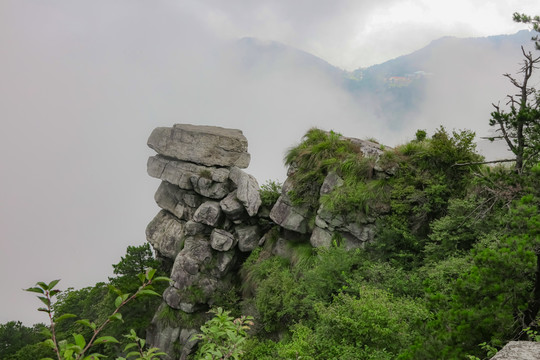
pixel 519 350
pixel 206 145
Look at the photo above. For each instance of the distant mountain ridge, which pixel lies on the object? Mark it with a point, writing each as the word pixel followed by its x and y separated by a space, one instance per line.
pixel 396 90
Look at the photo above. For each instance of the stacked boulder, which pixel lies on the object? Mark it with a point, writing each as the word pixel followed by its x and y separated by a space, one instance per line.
pixel 209 207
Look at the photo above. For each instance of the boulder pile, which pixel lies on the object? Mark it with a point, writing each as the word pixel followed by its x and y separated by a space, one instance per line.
pixel 208 217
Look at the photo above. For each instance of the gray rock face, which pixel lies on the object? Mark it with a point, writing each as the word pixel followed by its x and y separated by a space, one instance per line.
pixel 331 181
pixel 207 145
pixel 166 234
pixel 320 238
pixel 519 350
pixel 208 188
pixel 233 208
pixel 290 217
pixel 179 202
pixel 248 237
pixel 208 213
pixel 247 190
pixel 222 240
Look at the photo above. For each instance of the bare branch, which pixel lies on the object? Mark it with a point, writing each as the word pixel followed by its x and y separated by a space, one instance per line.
pixel 484 162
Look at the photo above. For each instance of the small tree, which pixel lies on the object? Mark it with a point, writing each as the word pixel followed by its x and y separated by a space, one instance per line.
pixel 520 126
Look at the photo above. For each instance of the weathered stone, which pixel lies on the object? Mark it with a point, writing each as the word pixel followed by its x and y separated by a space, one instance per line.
pixel 247 190
pixel 222 240
pixel 224 262
pixel 192 228
pixel 364 233
pixel 519 350
pixel 233 208
pixel 208 213
pixel 207 145
pixel 181 203
pixel 188 342
pixel 320 238
pixel 331 181
pixel 209 188
pixel 180 173
pixel 162 335
pixel 248 237
pixel 288 216
pixel 166 234
pixel 186 274
pixel 368 148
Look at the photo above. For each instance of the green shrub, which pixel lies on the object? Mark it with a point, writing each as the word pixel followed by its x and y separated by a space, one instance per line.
pixel 270 192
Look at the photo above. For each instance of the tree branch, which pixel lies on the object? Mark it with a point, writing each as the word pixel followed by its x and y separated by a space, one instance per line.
pixel 483 162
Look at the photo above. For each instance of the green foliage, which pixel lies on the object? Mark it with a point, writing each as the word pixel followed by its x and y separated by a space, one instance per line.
pixel 81 345
pixel 318 154
pixel 222 337
pixel 137 347
pixel 17 339
pixel 270 191
pixel 533 20
pixel 425 182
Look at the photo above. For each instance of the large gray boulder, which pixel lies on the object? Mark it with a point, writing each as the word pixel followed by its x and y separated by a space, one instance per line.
pixel 222 240
pixel 181 203
pixel 519 350
pixel 206 145
pixel 209 213
pixel 181 173
pixel 248 237
pixel 166 234
pixel 233 208
pixel 287 215
pixel 247 191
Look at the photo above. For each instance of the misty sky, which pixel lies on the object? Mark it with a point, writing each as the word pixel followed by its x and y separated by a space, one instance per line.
pixel 83 83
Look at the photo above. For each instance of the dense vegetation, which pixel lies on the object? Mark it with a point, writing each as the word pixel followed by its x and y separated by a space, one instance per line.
pixel 453 265
pixel 18 342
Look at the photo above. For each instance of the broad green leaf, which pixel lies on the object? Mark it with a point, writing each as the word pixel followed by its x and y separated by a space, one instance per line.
pixel 44 310
pixel 116 316
pixel 64 316
pixel 118 301
pixel 162 278
pixel 45 300
pixel 52 284
pixel 105 339
pixel 79 340
pixel 36 290
pixel 133 353
pixel 147 292
pixel 129 346
pixel 150 273
pixel 141 277
pixel 42 285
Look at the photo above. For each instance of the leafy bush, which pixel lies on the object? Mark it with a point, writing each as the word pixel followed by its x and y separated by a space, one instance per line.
pixel 222 337
pixel 270 192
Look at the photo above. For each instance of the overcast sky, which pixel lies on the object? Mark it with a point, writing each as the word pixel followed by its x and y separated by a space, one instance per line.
pixel 83 83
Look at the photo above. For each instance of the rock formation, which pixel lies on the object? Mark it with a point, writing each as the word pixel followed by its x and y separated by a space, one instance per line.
pixel 211 218
pixel 208 218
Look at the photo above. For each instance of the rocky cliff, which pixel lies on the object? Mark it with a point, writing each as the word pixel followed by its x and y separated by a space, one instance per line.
pixel 212 218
